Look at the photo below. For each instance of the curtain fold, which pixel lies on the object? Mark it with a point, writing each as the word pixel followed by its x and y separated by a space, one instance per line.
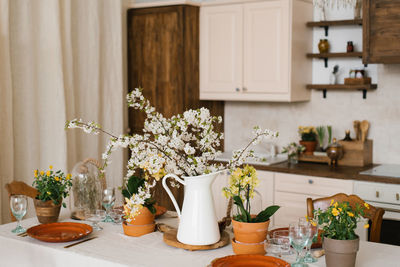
pixel 59 60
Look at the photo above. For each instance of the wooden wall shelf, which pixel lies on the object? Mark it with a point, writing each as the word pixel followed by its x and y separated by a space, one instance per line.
pixel 327 23
pixel 343 87
pixel 325 56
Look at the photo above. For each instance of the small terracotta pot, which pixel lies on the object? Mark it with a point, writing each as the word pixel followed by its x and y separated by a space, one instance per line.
pixel 250 232
pixel 138 230
pixel 47 211
pixel 143 218
pixel 248 248
pixel 341 253
pixel 309 145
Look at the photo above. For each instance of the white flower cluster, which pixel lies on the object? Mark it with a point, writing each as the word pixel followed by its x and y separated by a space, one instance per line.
pixel 293 149
pixel 90 127
pixel 184 144
pixel 136 202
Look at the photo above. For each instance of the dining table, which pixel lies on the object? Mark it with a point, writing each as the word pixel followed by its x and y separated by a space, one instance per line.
pixel 111 247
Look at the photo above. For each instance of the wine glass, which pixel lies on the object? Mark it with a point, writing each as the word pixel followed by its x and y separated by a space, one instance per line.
pixel 281 237
pixel 95 217
pixel 18 204
pixel 313 234
pixel 108 201
pixel 298 235
pixel 116 215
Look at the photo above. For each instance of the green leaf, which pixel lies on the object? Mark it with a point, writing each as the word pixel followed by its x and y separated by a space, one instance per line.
pixel 264 215
pixel 238 202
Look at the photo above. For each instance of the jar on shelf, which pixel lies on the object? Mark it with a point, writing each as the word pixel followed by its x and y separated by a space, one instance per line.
pixel 86 188
pixel 323 46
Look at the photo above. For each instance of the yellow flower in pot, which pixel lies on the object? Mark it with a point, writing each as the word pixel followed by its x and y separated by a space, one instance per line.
pixel 139 209
pixel 250 230
pixel 340 242
pixel 53 187
pixel 308 136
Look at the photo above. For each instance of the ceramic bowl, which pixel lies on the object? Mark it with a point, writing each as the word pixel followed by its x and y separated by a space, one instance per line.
pixel 138 230
pixel 248 248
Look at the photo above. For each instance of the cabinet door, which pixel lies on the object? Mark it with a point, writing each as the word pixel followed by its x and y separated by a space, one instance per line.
pixel 266 47
pixel 221 37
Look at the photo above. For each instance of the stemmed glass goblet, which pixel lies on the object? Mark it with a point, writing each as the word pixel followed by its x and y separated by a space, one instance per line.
pixel 108 201
pixel 313 234
pixel 299 235
pixel 18 205
pixel 95 217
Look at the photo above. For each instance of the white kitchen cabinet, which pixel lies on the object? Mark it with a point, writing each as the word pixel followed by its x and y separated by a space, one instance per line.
pixel 255 51
pixel 266 190
pixel 291 192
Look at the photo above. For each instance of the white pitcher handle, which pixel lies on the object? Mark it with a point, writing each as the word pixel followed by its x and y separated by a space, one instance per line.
pixel 171 196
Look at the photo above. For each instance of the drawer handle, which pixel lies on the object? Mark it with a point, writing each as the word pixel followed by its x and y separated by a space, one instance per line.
pixel 377 194
pixel 397 196
pixel 310 181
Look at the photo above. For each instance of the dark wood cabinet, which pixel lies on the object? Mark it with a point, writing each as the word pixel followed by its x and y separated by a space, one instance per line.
pixel 381 36
pixel 163 58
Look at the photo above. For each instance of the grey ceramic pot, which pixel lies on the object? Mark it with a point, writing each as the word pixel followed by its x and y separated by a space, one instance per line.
pixel 341 253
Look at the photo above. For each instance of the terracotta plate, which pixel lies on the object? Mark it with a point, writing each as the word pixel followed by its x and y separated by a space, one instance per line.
pixel 59 232
pixel 317 244
pixel 249 261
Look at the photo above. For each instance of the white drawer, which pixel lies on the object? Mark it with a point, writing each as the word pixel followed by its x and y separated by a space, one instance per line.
pixel 310 185
pixel 378 192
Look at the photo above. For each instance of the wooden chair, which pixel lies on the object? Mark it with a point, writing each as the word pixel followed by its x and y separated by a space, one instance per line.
pixel 373 214
pixel 20 188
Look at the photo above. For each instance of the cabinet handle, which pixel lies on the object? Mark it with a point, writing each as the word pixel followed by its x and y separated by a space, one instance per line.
pixel 310 181
pixel 397 196
pixel 377 194
pixel 244 89
pixel 237 89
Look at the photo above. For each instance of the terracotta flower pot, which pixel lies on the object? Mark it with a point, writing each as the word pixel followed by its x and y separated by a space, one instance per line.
pixel 248 248
pixel 250 232
pixel 138 230
pixel 340 252
pixel 47 211
pixel 143 218
pixel 309 145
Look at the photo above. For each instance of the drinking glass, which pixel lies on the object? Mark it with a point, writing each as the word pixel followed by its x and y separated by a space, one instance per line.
pixel 281 238
pixel 313 235
pixel 108 201
pixel 18 204
pixel 298 235
pixel 95 217
pixel 116 215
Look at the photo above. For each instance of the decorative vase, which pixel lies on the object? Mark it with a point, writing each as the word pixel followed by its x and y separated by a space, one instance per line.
pixel 198 223
pixel 248 248
pixel 341 253
pixel 294 159
pixel 250 232
pixel 47 211
pixel 309 145
pixel 323 46
pixel 137 230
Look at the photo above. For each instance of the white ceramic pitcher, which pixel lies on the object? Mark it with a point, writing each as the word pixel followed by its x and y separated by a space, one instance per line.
pixel 198 223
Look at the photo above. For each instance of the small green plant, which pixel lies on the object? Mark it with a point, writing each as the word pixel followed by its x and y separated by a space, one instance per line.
pixel 321 136
pixel 339 220
pixel 52 185
pixel 241 188
pixel 329 127
pixel 307 133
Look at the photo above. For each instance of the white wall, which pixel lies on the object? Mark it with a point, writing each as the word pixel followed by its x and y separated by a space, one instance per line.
pixel 339 109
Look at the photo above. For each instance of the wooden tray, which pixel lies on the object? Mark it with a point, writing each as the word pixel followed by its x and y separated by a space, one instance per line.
pixel 59 232
pixel 171 240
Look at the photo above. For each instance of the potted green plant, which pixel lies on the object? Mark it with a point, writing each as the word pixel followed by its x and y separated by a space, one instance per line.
pixel 53 187
pixel 340 242
pixel 308 137
pixel 321 136
pixel 247 228
pixel 293 150
pixel 139 209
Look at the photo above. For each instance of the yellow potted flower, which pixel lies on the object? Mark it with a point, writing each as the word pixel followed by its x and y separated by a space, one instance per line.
pixel 248 229
pixel 53 187
pixel 340 242
pixel 308 136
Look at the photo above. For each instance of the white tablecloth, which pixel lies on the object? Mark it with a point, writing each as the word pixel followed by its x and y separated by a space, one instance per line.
pixel 113 248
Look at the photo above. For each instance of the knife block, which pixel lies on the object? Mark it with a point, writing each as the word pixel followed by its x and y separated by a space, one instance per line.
pixel 356 153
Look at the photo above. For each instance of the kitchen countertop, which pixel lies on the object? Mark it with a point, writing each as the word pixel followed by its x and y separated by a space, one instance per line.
pixel 324 170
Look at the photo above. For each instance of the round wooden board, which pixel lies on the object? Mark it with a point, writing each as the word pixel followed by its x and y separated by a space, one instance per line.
pixel 171 240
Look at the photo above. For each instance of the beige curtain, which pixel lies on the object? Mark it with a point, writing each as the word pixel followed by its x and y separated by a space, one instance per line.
pixel 59 59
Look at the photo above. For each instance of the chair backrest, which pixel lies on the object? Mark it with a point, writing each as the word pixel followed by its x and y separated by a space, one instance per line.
pixel 374 214
pixel 20 188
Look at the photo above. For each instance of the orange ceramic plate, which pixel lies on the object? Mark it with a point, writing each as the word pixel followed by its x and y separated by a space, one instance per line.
pixel 160 210
pixel 59 232
pixel 317 244
pixel 249 261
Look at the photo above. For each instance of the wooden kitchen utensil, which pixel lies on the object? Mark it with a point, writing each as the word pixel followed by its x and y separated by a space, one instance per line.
pixel 364 126
pixel 356 125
